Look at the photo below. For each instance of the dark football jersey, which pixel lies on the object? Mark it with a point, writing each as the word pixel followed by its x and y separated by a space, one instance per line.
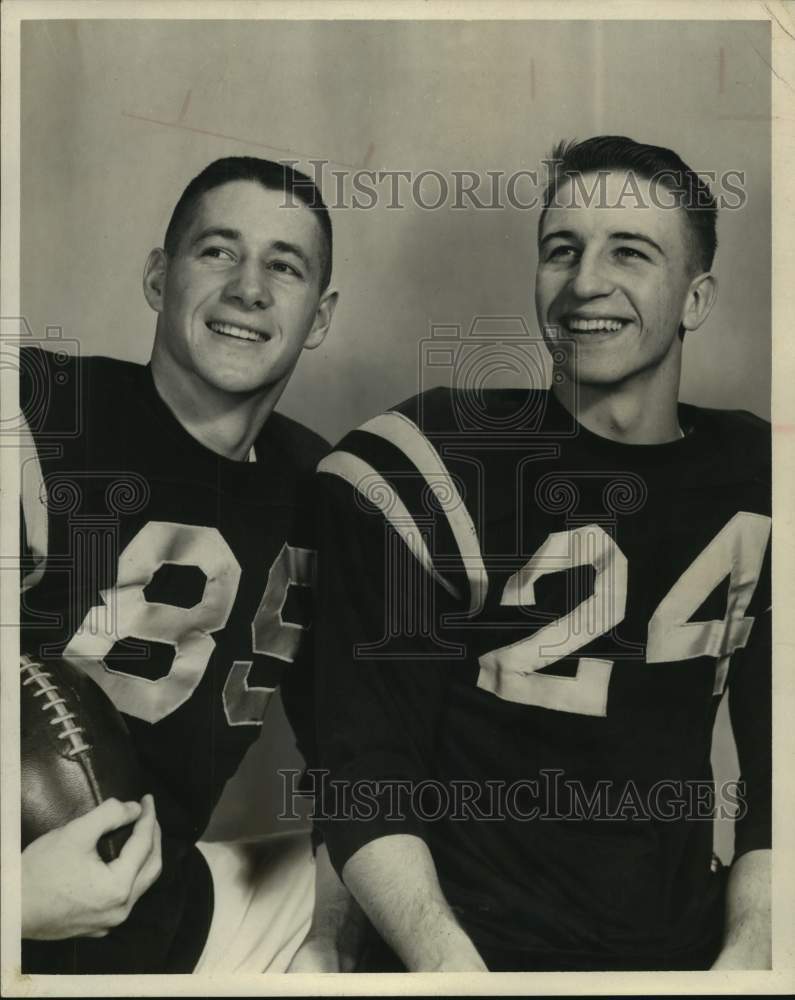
pixel 524 634
pixel 180 582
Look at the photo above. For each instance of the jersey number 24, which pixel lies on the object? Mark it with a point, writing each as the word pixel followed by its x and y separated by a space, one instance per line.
pixel 510 672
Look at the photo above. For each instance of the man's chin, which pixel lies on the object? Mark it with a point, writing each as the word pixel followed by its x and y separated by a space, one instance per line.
pixel 240 383
pixel 586 376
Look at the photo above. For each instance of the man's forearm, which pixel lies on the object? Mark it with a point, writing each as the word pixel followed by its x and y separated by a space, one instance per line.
pixel 747 939
pixel 394 880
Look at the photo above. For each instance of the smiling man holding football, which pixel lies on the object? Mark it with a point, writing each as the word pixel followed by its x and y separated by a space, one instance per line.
pixel 592 565
pixel 169 542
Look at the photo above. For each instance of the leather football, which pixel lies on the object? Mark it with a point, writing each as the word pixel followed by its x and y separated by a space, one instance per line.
pixel 76 752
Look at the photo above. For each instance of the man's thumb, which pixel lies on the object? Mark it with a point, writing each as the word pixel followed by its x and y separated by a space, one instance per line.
pixel 110 815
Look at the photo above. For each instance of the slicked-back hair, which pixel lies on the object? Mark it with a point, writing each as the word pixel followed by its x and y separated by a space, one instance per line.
pixel 604 153
pixel 270 175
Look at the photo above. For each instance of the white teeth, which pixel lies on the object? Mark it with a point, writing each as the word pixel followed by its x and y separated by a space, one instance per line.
pixel 230 330
pixel 588 325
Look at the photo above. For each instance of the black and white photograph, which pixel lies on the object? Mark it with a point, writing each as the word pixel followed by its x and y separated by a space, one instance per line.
pixel 396 540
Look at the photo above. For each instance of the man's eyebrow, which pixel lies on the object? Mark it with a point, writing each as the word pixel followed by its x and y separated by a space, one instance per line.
pixel 223 232
pixel 282 246
pixel 558 234
pixel 638 236
pixel 569 234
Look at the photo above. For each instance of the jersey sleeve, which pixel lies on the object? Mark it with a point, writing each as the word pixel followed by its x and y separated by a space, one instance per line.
pixel 750 707
pixel 378 685
pixel 36 384
pixel 33 512
pixel 297 691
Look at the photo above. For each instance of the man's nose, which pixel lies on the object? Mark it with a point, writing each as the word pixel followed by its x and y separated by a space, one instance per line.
pixel 249 286
pixel 592 277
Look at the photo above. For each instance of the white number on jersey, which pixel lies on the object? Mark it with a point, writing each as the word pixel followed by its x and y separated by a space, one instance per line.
pixel 244 705
pixel 737 551
pixel 510 672
pixel 125 613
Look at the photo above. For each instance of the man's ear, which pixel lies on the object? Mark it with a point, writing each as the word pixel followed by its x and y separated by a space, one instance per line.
pixel 700 299
pixel 155 278
pixel 320 327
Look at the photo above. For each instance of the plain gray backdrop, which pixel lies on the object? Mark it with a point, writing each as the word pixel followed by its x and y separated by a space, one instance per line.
pixel 117 116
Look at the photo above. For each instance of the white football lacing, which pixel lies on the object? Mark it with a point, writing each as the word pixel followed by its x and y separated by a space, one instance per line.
pixel 42 679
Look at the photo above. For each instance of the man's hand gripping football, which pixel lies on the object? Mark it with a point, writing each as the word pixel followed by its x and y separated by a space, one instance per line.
pixel 69 891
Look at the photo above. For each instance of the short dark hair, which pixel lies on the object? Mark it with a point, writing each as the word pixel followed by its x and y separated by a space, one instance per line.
pixel 617 152
pixel 271 175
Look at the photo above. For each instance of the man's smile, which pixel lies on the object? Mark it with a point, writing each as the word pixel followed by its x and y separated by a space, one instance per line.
pixel 225 329
pixel 584 323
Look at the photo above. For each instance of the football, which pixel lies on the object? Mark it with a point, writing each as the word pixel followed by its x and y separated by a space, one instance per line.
pixel 76 752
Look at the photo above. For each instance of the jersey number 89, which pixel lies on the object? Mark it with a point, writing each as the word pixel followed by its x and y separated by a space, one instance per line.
pixel 126 613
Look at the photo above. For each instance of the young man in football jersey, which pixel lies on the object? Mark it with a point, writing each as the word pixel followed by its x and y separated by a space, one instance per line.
pixel 169 539
pixel 531 603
